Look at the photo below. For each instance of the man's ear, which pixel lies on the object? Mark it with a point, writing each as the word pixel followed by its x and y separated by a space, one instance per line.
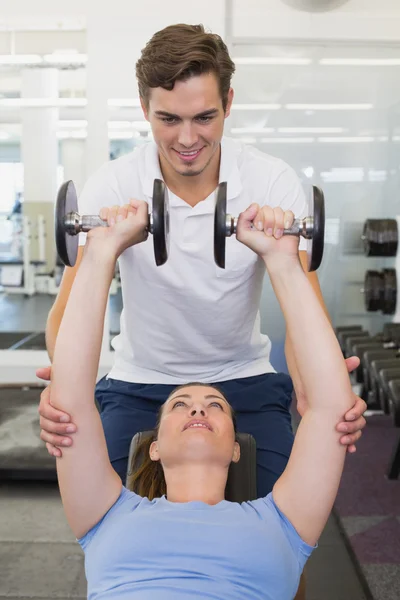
pixel 229 103
pixel 144 109
pixel 153 452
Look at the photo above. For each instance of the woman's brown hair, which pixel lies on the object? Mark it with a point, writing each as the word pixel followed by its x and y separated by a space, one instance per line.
pixel 148 479
pixel 179 52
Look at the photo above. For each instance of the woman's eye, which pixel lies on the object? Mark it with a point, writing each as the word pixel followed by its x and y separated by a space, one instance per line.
pixel 179 402
pixel 217 404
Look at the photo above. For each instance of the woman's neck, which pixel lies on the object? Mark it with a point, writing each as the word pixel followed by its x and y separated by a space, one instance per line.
pixel 200 483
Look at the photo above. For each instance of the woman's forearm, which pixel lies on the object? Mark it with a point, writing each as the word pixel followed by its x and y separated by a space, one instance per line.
pixel 315 348
pixel 79 339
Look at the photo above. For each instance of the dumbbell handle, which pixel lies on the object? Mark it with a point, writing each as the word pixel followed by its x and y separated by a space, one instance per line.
pixel 303 227
pixel 75 223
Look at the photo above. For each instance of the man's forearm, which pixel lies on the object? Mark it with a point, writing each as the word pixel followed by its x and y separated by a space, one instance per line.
pixel 317 354
pixel 52 326
pixel 78 346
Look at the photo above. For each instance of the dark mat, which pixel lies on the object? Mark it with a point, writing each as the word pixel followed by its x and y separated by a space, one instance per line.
pixel 9 338
pixel 368 508
pixel 22 452
pixel 34 342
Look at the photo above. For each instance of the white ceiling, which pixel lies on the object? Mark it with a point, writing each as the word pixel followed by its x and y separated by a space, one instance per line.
pixel 297 131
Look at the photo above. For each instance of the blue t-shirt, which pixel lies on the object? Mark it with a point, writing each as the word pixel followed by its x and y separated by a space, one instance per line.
pixel 161 550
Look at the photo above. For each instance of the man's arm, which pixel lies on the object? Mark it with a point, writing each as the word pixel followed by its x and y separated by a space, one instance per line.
pixel 57 310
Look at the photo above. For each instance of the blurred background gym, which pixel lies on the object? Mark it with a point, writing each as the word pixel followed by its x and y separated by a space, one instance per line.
pixel 317 84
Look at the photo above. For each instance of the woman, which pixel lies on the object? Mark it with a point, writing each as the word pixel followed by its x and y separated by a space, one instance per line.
pixel 191 542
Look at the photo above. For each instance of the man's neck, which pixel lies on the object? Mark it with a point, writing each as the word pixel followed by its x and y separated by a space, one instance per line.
pixel 193 189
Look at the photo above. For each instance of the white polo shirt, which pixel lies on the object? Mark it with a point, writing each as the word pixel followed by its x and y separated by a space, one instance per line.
pixel 189 320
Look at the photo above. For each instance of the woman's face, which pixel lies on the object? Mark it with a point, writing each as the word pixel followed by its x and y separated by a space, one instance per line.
pixel 196 427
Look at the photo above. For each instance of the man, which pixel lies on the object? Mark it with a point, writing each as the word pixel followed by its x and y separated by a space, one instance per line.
pixel 185 321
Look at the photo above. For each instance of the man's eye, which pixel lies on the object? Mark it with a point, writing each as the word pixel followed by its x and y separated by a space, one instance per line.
pixel 204 119
pixel 169 120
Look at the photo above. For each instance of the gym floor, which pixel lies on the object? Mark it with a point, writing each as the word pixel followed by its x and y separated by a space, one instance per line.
pixel 39 558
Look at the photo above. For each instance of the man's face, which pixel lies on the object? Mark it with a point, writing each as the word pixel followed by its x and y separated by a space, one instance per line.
pixel 187 123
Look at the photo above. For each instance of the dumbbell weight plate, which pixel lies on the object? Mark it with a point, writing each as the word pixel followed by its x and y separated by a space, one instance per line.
pixel 373 290
pixel 67 245
pixel 220 225
pixel 67 202
pixel 389 291
pixel 160 227
pixel 315 246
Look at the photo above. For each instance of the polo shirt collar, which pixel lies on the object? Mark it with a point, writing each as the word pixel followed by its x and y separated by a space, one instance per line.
pixel 229 169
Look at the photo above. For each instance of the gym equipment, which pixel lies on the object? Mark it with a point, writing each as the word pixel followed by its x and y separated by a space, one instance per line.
pixel 343 335
pixel 358 349
pixel 312 228
pixel 394 400
pixel 380 291
pixel 370 388
pixel 354 339
pixel 23 455
pixel 68 223
pixel 391 332
pixel 348 328
pixel 390 370
pixel 380 237
pixel 241 483
pixel 18 272
pixel 376 366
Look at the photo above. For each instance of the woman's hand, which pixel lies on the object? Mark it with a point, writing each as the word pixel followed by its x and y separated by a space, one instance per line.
pixel 127 226
pixel 261 229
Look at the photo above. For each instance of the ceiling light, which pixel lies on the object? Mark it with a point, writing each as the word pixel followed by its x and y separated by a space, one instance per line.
pixel 283 140
pixel 270 60
pixel 343 175
pixel 66 58
pixel 310 130
pixel 76 135
pixel 360 62
pixel 239 130
pixel 42 102
pixel 346 140
pixel 76 123
pixel 329 106
pixel 308 172
pixel 120 135
pixel 20 59
pixel 256 106
pixel 377 176
pixel 119 124
pixel 248 140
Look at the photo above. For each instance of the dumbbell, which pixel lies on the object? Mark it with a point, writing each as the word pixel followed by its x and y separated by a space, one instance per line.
pixel 312 228
pixel 380 291
pixel 68 223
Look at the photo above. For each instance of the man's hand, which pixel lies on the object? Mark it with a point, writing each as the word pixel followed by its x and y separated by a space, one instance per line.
pixel 354 422
pixel 54 423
